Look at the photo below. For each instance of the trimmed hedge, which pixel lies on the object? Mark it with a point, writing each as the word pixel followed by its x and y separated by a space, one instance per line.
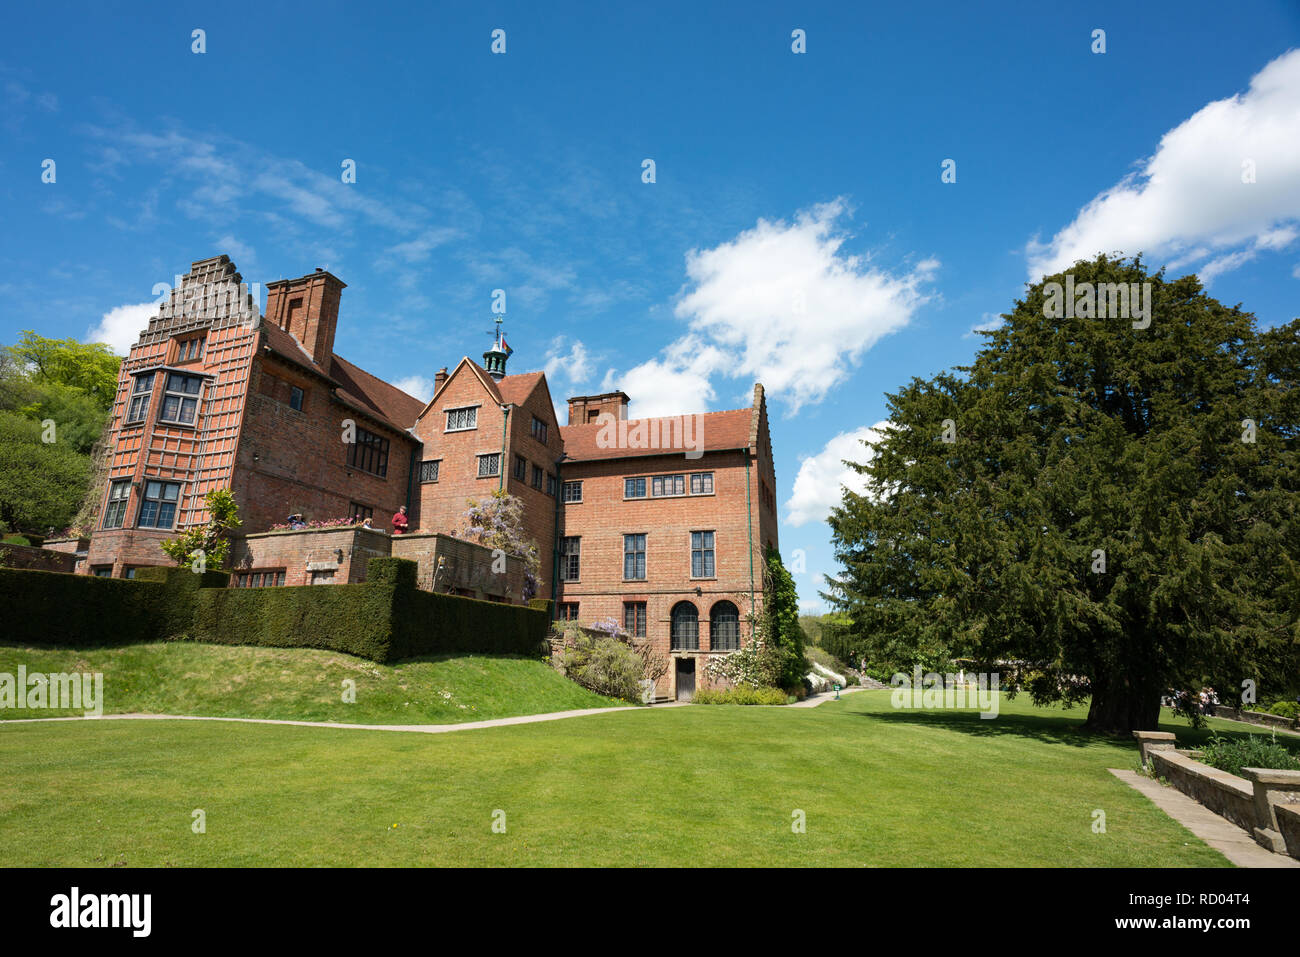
pixel 383 619
pixel 82 611
pixel 356 619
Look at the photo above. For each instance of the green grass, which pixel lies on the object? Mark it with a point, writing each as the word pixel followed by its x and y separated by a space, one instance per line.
pixel 662 786
pixel 305 684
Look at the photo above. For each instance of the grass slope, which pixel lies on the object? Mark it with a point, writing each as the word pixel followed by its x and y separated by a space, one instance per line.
pixel 665 786
pixel 306 684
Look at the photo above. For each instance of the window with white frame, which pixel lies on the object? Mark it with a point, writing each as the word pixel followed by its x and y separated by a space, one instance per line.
pixel 115 512
pixel 702 565
pixel 489 465
pixel 460 420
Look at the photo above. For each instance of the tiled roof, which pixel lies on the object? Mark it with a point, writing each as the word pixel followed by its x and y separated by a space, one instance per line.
pixel 354 385
pixel 719 431
pixel 516 389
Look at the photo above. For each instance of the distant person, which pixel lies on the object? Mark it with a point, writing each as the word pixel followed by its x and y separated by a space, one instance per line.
pixel 400 521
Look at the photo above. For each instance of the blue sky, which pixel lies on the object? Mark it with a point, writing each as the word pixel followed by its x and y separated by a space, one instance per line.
pixel 797 232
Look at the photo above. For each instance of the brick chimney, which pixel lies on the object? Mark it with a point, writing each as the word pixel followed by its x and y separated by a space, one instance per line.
pixel 584 409
pixel 439 378
pixel 308 309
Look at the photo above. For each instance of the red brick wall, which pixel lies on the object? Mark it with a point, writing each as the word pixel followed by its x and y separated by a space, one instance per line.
pixel 539 507
pixel 298 552
pixel 38 559
pixel 604 516
pixel 291 461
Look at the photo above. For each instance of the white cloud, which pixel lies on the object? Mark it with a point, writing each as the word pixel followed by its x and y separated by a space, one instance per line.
pixel 1188 202
pixel 121 327
pixel 572 367
pixel 988 322
pixel 781 304
pixel 417 385
pixel 822 476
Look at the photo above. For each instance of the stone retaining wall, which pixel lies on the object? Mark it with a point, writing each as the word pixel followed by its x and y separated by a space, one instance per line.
pixel 1225 794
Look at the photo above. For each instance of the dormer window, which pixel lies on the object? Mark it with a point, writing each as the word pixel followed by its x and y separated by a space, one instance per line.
pixel 190 350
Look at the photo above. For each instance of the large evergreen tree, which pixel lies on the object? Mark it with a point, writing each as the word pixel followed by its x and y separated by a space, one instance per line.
pixel 1114 505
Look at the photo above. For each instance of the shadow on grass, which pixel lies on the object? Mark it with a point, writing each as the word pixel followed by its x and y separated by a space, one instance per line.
pixel 1052 729
pixel 1065 728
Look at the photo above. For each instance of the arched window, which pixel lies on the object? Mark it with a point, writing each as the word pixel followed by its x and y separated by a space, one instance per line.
pixel 686 627
pixel 724 627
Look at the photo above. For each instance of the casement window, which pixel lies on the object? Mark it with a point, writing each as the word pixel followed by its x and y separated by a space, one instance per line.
pixel 572 491
pixel 664 485
pixel 158 507
pixel 295 398
pixel 539 430
pixel 570 564
pixel 260 579
pixel 634 557
pixel 102 571
pixel 701 483
pixel 634 618
pixel 567 611
pixel 189 350
pixel 180 402
pixel 702 555
pixel 724 627
pixel 460 420
pixel 489 465
pixel 685 635
pixel 429 470
pixel 521 468
pixel 115 511
pixel 141 392
pixel 129 572
pixel 634 488
pixel 359 512
pixel 369 453
pixel 537 478
pixel 552 485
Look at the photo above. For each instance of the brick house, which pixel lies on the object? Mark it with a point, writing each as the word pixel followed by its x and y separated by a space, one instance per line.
pixel 658 523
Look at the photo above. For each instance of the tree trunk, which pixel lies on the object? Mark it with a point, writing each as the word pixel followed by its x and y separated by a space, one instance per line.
pixel 1121 706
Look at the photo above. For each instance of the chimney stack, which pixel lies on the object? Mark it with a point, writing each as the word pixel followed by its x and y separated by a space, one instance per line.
pixel 586 409
pixel 439 378
pixel 308 309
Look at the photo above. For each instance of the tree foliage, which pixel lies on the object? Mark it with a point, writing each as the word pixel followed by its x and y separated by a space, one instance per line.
pixel 206 547
pixel 41 484
pixel 1115 508
pixel 498 522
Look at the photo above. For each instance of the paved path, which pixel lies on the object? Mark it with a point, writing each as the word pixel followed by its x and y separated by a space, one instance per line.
pixel 810 702
pixel 1220 833
pixel 813 700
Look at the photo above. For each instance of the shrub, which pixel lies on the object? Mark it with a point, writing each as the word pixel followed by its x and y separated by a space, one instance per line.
pixel 604 665
pixel 742 695
pixel 1232 755
pixel 1286 709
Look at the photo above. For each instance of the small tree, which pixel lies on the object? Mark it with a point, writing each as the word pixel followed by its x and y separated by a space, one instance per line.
pixel 208 544
pixel 498 522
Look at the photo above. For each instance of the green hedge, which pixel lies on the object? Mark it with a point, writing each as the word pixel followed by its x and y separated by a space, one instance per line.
pixel 82 611
pixel 357 619
pixel 435 624
pixel 383 619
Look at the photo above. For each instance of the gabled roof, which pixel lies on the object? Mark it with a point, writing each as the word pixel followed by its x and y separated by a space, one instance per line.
pixel 719 431
pixel 353 385
pixel 512 389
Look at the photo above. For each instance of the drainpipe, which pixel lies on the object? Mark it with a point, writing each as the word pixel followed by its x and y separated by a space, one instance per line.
pixel 749 512
pixel 555 544
pixel 505 418
pixel 410 474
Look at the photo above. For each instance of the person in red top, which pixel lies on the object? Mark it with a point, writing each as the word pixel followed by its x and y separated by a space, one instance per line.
pixel 400 521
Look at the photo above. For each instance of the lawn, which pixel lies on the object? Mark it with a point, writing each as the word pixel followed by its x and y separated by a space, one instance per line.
pixel 305 684
pixel 716 785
